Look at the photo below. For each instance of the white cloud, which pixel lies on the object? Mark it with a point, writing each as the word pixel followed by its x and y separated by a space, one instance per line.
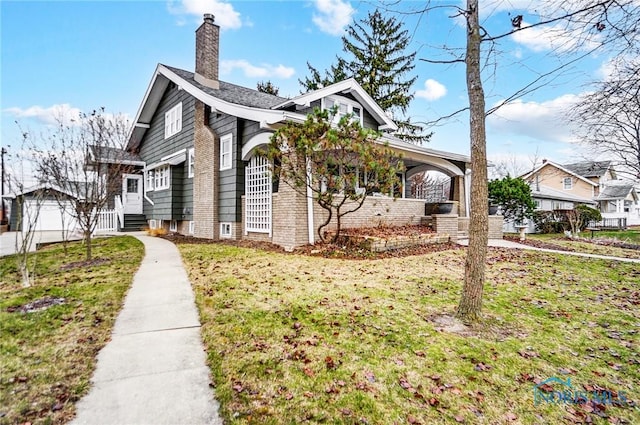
pixel 542 121
pixel 433 90
pixel 253 71
pixel 333 16
pixel 60 114
pixel 225 15
pixel 53 115
pixel 558 38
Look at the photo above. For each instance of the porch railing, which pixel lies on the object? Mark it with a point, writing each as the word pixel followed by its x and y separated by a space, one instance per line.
pixel 119 209
pixel 107 221
pixel 616 223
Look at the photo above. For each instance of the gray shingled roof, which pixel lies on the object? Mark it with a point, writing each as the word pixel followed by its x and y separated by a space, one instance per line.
pixel 589 168
pixel 112 155
pixel 233 93
pixel 618 191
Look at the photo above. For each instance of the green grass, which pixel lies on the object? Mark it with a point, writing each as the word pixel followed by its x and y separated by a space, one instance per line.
pixel 47 357
pixel 630 236
pixel 588 247
pixel 294 339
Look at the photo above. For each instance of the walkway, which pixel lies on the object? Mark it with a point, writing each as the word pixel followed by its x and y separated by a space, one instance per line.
pixel 153 370
pixel 503 243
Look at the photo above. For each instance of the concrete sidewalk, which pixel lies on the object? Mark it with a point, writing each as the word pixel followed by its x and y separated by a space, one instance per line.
pixel 153 370
pixel 503 243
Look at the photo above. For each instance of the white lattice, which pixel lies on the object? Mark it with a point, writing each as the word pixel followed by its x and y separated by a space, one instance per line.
pixel 258 196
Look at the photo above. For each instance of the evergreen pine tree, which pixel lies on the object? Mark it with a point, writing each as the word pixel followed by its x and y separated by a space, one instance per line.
pixel 267 87
pixel 375 57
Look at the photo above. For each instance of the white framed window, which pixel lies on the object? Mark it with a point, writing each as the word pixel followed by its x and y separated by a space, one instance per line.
pixel 161 177
pixel 149 181
pixel 153 224
pixel 567 183
pixel 173 121
pixel 226 152
pixel 538 203
pixel 258 196
pixel 173 226
pixel 225 230
pixel 160 224
pixel 345 106
pixel 192 227
pixel 191 162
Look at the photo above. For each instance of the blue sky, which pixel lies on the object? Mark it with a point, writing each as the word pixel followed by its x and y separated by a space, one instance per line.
pixel 77 56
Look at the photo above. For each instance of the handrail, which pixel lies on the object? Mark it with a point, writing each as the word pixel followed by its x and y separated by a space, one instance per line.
pixel 119 210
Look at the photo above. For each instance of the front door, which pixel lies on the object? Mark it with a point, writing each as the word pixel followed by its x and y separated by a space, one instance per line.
pixel 132 193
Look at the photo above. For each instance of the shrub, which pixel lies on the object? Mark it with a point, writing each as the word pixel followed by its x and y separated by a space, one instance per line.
pixel 550 222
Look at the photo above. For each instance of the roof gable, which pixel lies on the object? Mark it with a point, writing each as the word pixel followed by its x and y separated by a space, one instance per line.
pixel 229 99
pixel 349 86
pixel 559 167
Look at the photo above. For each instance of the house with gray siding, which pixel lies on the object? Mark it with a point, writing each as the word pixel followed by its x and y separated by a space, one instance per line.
pixel 199 140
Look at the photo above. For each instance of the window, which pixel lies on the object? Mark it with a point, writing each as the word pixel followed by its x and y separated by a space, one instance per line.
pixel 161 177
pixel 152 224
pixel 345 106
pixel 173 227
pixel 192 227
pixel 225 152
pixel 173 121
pixel 258 196
pixel 150 182
pixel 567 183
pixel 538 203
pixel 191 162
pixel 225 230
pixel 132 185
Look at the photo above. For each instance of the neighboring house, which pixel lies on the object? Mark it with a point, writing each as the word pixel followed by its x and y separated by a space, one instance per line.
pixel 42 207
pixel 593 183
pixel 197 141
pixel 620 200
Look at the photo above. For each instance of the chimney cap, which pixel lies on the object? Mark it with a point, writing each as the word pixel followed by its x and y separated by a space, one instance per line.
pixel 209 18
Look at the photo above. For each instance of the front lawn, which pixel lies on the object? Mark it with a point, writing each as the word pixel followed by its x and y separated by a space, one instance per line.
pixel 47 355
pixel 295 339
pixel 603 243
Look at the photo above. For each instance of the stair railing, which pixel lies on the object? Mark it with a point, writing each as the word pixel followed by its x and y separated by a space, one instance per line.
pixel 119 210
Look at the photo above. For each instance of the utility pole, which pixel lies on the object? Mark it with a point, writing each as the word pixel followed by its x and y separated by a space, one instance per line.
pixel 3 217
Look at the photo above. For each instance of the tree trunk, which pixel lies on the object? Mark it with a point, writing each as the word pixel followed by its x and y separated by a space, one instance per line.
pixel 470 304
pixel 87 241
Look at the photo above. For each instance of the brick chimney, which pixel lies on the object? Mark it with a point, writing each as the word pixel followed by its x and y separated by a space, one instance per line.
pixel 207 48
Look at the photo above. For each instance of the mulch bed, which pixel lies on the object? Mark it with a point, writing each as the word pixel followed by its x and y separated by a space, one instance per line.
pixel 328 250
pixel 37 305
pixel 85 263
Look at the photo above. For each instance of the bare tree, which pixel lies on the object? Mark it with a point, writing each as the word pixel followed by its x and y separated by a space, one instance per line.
pixel 580 28
pixel 608 119
pixel 86 159
pixel 26 213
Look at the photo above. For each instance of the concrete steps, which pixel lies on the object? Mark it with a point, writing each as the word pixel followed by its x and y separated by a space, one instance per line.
pixel 134 222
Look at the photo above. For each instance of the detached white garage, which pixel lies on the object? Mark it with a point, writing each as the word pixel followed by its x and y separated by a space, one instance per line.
pixel 39 204
pixel 52 216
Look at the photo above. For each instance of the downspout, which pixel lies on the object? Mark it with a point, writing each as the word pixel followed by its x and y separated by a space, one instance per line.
pixel 310 226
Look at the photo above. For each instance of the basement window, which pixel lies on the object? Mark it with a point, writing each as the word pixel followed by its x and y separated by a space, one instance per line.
pixel 225 230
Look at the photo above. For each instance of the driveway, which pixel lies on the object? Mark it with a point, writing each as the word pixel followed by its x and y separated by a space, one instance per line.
pixel 8 240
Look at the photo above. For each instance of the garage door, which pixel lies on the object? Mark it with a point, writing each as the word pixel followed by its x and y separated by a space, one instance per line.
pixel 50 217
